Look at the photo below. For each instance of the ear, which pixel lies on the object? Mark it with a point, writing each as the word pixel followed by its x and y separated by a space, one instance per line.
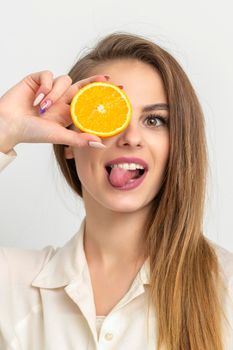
pixel 68 152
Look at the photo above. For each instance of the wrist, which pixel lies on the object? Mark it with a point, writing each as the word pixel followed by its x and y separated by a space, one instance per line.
pixel 7 141
pixel 5 150
pixel 6 146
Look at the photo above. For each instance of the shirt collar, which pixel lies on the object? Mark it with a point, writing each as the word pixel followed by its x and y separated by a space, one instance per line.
pixel 68 263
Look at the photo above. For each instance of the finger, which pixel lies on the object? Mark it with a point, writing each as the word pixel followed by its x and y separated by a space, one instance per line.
pixel 41 83
pixel 41 130
pixel 81 83
pixel 71 138
pixel 60 85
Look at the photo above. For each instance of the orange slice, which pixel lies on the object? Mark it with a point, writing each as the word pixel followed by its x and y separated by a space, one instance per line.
pixel 101 108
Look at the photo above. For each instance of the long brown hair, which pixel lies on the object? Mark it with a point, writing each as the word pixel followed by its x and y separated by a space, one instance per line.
pixel 185 279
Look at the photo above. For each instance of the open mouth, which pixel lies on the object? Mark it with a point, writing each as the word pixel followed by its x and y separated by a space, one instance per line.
pixel 125 179
pixel 126 172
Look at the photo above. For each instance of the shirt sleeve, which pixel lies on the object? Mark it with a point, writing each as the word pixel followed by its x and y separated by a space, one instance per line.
pixel 7 158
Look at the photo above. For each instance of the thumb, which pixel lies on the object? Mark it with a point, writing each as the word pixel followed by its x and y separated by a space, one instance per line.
pixel 72 138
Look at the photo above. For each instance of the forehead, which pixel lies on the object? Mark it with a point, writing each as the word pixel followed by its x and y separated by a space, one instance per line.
pixel 141 81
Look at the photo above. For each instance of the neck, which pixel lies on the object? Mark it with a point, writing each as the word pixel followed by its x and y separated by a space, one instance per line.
pixel 113 238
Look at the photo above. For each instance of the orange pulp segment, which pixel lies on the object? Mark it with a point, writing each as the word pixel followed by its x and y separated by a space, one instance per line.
pixel 101 108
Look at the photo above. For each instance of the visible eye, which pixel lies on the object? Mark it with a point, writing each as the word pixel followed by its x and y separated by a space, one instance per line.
pixel 154 118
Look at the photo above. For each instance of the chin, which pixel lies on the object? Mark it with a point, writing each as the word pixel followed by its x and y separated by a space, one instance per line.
pixel 123 205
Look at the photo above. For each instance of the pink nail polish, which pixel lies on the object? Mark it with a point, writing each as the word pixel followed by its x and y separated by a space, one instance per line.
pixel 96 144
pixel 45 106
pixel 38 99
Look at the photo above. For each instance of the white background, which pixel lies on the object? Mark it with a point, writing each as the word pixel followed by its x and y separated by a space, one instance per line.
pixel 36 206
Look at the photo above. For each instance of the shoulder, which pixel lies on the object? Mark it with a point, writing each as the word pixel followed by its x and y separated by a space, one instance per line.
pixel 225 259
pixel 22 265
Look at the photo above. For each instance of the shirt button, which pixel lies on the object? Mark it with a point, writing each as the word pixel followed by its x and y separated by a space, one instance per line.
pixel 108 336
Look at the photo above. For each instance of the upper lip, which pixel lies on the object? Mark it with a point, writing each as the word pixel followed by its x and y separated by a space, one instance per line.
pixel 121 160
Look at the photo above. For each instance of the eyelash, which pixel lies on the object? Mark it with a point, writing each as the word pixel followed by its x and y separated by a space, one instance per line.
pixel 157 116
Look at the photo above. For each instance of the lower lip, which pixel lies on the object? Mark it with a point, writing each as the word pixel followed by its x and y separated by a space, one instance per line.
pixel 130 185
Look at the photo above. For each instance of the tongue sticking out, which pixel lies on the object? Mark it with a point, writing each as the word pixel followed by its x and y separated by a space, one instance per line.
pixel 120 177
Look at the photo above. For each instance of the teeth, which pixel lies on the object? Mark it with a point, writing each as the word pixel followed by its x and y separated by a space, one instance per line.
pixel 128 166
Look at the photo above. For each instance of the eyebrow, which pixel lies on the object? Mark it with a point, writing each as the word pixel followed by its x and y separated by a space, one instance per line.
pixel 155 106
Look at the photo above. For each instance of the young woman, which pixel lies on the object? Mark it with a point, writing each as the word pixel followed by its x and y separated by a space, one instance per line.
pixel 139 274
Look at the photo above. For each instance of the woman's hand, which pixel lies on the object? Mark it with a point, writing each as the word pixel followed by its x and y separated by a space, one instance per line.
pixel 20 121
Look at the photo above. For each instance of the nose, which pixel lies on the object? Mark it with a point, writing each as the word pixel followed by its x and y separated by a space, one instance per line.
pixel 131 136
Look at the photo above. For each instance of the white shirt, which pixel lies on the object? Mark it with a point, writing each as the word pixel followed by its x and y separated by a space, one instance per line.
pixel 47 303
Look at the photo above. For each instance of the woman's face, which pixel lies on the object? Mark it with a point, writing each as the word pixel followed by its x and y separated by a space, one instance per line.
pixel 145 137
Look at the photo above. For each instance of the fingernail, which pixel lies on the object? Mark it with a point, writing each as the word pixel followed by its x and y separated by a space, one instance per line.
pixel 96 144
pixel 38 99
pixel 120 86
pixel 107 77
pixel 45 105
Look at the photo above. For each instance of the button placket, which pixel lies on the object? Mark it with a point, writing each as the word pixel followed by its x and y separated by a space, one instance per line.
pixel 108 331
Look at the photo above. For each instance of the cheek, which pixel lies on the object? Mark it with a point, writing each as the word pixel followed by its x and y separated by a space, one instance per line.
pixel 160 146
pixel 85 159
pixel 81 163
